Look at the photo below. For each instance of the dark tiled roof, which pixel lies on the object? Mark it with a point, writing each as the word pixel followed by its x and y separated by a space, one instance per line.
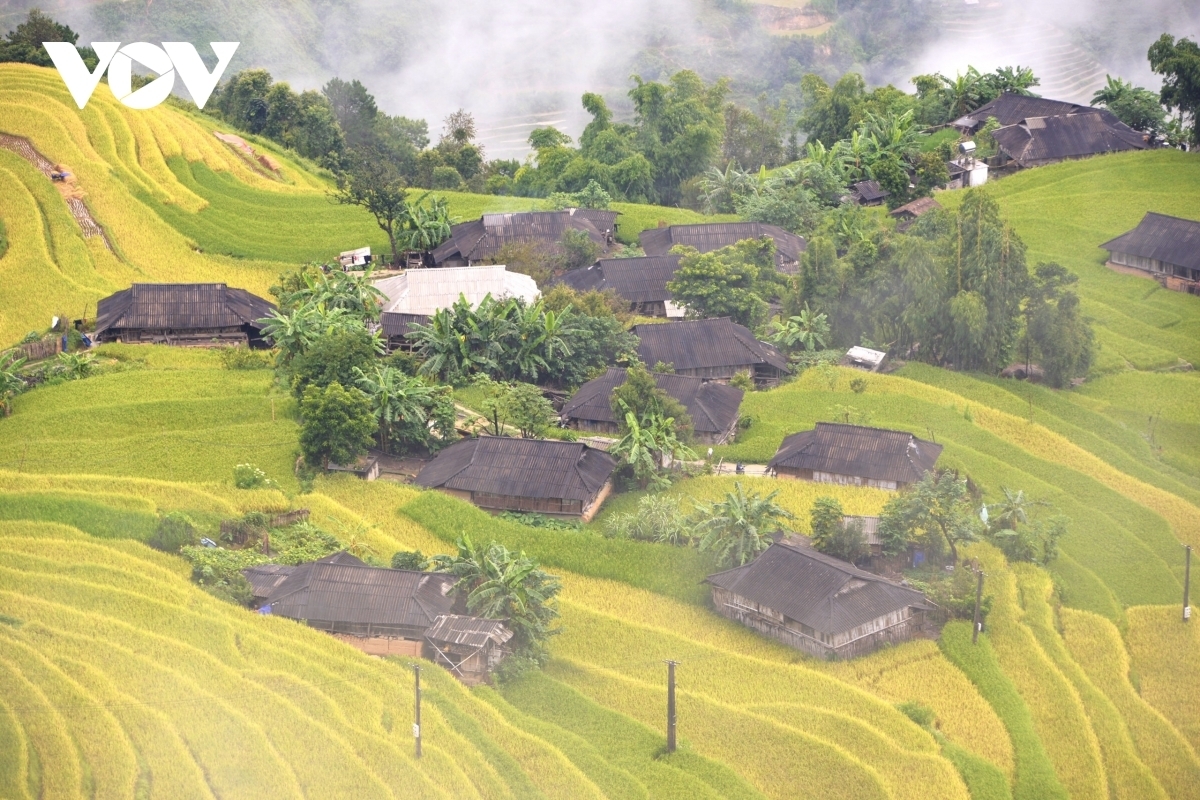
pixel 825 593
pixel 482 238
pixel 710 236
pixel 1009 109
pixel 538 468
pixel 870 190
pixel 713 407
pixel 638 280
pixel 265 577
pixel 340 594
pixel 469 631
pixel 1037 139
pixel 917 207
pixel 873 453
pixel 180 306
pixel 704 344
pixel 1170 239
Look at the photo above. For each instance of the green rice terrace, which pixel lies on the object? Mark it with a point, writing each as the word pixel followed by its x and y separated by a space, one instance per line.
pixel 121 677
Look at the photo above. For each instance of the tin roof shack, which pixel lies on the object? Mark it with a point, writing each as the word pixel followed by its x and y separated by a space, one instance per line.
pixel 377 610
pixel 710 236
pixel 355 259
pixel 469 647
pixel 186 314
pixel 640 281
pixel 868 193
pixel 713 349
pixel 1164 247
pixel 907 214
pixel 481 240
pixel 856 456
pixel 366 467
pixel 498 473
pixel 863 358
pixel 712 406
pixel 816 603
pixel 416 295
pixel 1037 141
pixel 1009 109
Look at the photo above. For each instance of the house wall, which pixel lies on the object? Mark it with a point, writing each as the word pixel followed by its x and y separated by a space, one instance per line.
pixel 201 337
pixel 593 426
pixel 590 510
pixel 817 476
pixel 898 626
pixel 540 505
pixel 383 645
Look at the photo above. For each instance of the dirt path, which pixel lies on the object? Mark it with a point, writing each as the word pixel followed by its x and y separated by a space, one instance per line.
pixel 70 189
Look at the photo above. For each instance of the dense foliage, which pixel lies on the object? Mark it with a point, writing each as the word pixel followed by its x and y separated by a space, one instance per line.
pixel 739 527
pixel 24 43
pixel 936 511
pixel 736 281
pixel 338 425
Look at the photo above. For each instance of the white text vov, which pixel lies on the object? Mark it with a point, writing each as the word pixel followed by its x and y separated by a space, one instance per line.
pixel 171 58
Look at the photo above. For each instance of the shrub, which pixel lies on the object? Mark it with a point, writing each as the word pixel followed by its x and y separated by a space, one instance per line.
pixel 248 476
pixel 174 531
pixel 409 559
pixel 830 533
pixel 535 520
pixel 242 357
pixel 743 381
pixel 917 712
pixel 858 385
pixel 219 571
pixel 658 519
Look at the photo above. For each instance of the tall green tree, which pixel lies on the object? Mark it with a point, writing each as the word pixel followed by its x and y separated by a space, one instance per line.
pixel 1138 108
pixel 808 329
pixel 338 425
pixel 640 395
pixel 831 534
pixel 373 182
pixel 735 281
pixel 405 407
pixel 1179 64
pixel 24 43
pixel 741 526
pixel 936 509
pixel 334 357
pixel 1056 332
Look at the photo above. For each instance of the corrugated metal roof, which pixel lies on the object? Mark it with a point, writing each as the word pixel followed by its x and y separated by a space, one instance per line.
pixel 468 631
pixel 1039 139
pixel 822 592
pixel 265 577
pixel 1009 109
pixel 870 190
pixel 710 236
pixel 638 280
pixel 425 291
pixel 870 528
pixel 916 208
pixel 713 407
pixel 704 344
pixel 482 238
pixel 537 468
pixel 347 594
pixel 1173 240
pixel 180 306
pixel 872 453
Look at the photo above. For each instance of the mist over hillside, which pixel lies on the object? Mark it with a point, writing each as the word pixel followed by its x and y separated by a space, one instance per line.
pixel 517 66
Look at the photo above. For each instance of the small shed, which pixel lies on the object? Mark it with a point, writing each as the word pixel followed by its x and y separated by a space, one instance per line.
pixel 355 259
pixel 855 455
pixel 868 193
pixel 640 281
pixel 481 240
pixel 469 647
pixel 712 406
pixel 709 236
pixel 499 473
pixel 906 214
pixel 966 171
pixel 713 349
pixel 863 358
pixel 366 467
pixel 1163 247
pixel 187 314
pixel 816 603
pixel 870 531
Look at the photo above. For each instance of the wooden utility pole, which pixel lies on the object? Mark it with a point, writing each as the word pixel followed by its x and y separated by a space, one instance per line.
pixel 417 724
pixel 671 706
pixel 978 600
pixel 1187 579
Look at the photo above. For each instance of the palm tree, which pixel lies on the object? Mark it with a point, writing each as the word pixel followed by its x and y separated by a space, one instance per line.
pixel 395 398
pixel 892 134
pixel 962 92
pixel 649 444
pixel 808 329
pixel 425 227
pixel 1015 80
pixel 739 527
pixel 1013 510
pixel 11 383
pixel 718 188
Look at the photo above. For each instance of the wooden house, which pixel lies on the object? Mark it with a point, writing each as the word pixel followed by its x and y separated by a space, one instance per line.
pixel 195 314
pixel 642 282
pixel 498 473
pixel 907 214
pixel 713 349
pixel 469 647
pixel 855 455
pixel 480 241
pixel 712 406
pixel 1037 141
pixel 709 236
pixel 377 610
pixel 868 193
pixel 1010 108
pixel 1165 248
pixel 816 603
pixel 418 294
